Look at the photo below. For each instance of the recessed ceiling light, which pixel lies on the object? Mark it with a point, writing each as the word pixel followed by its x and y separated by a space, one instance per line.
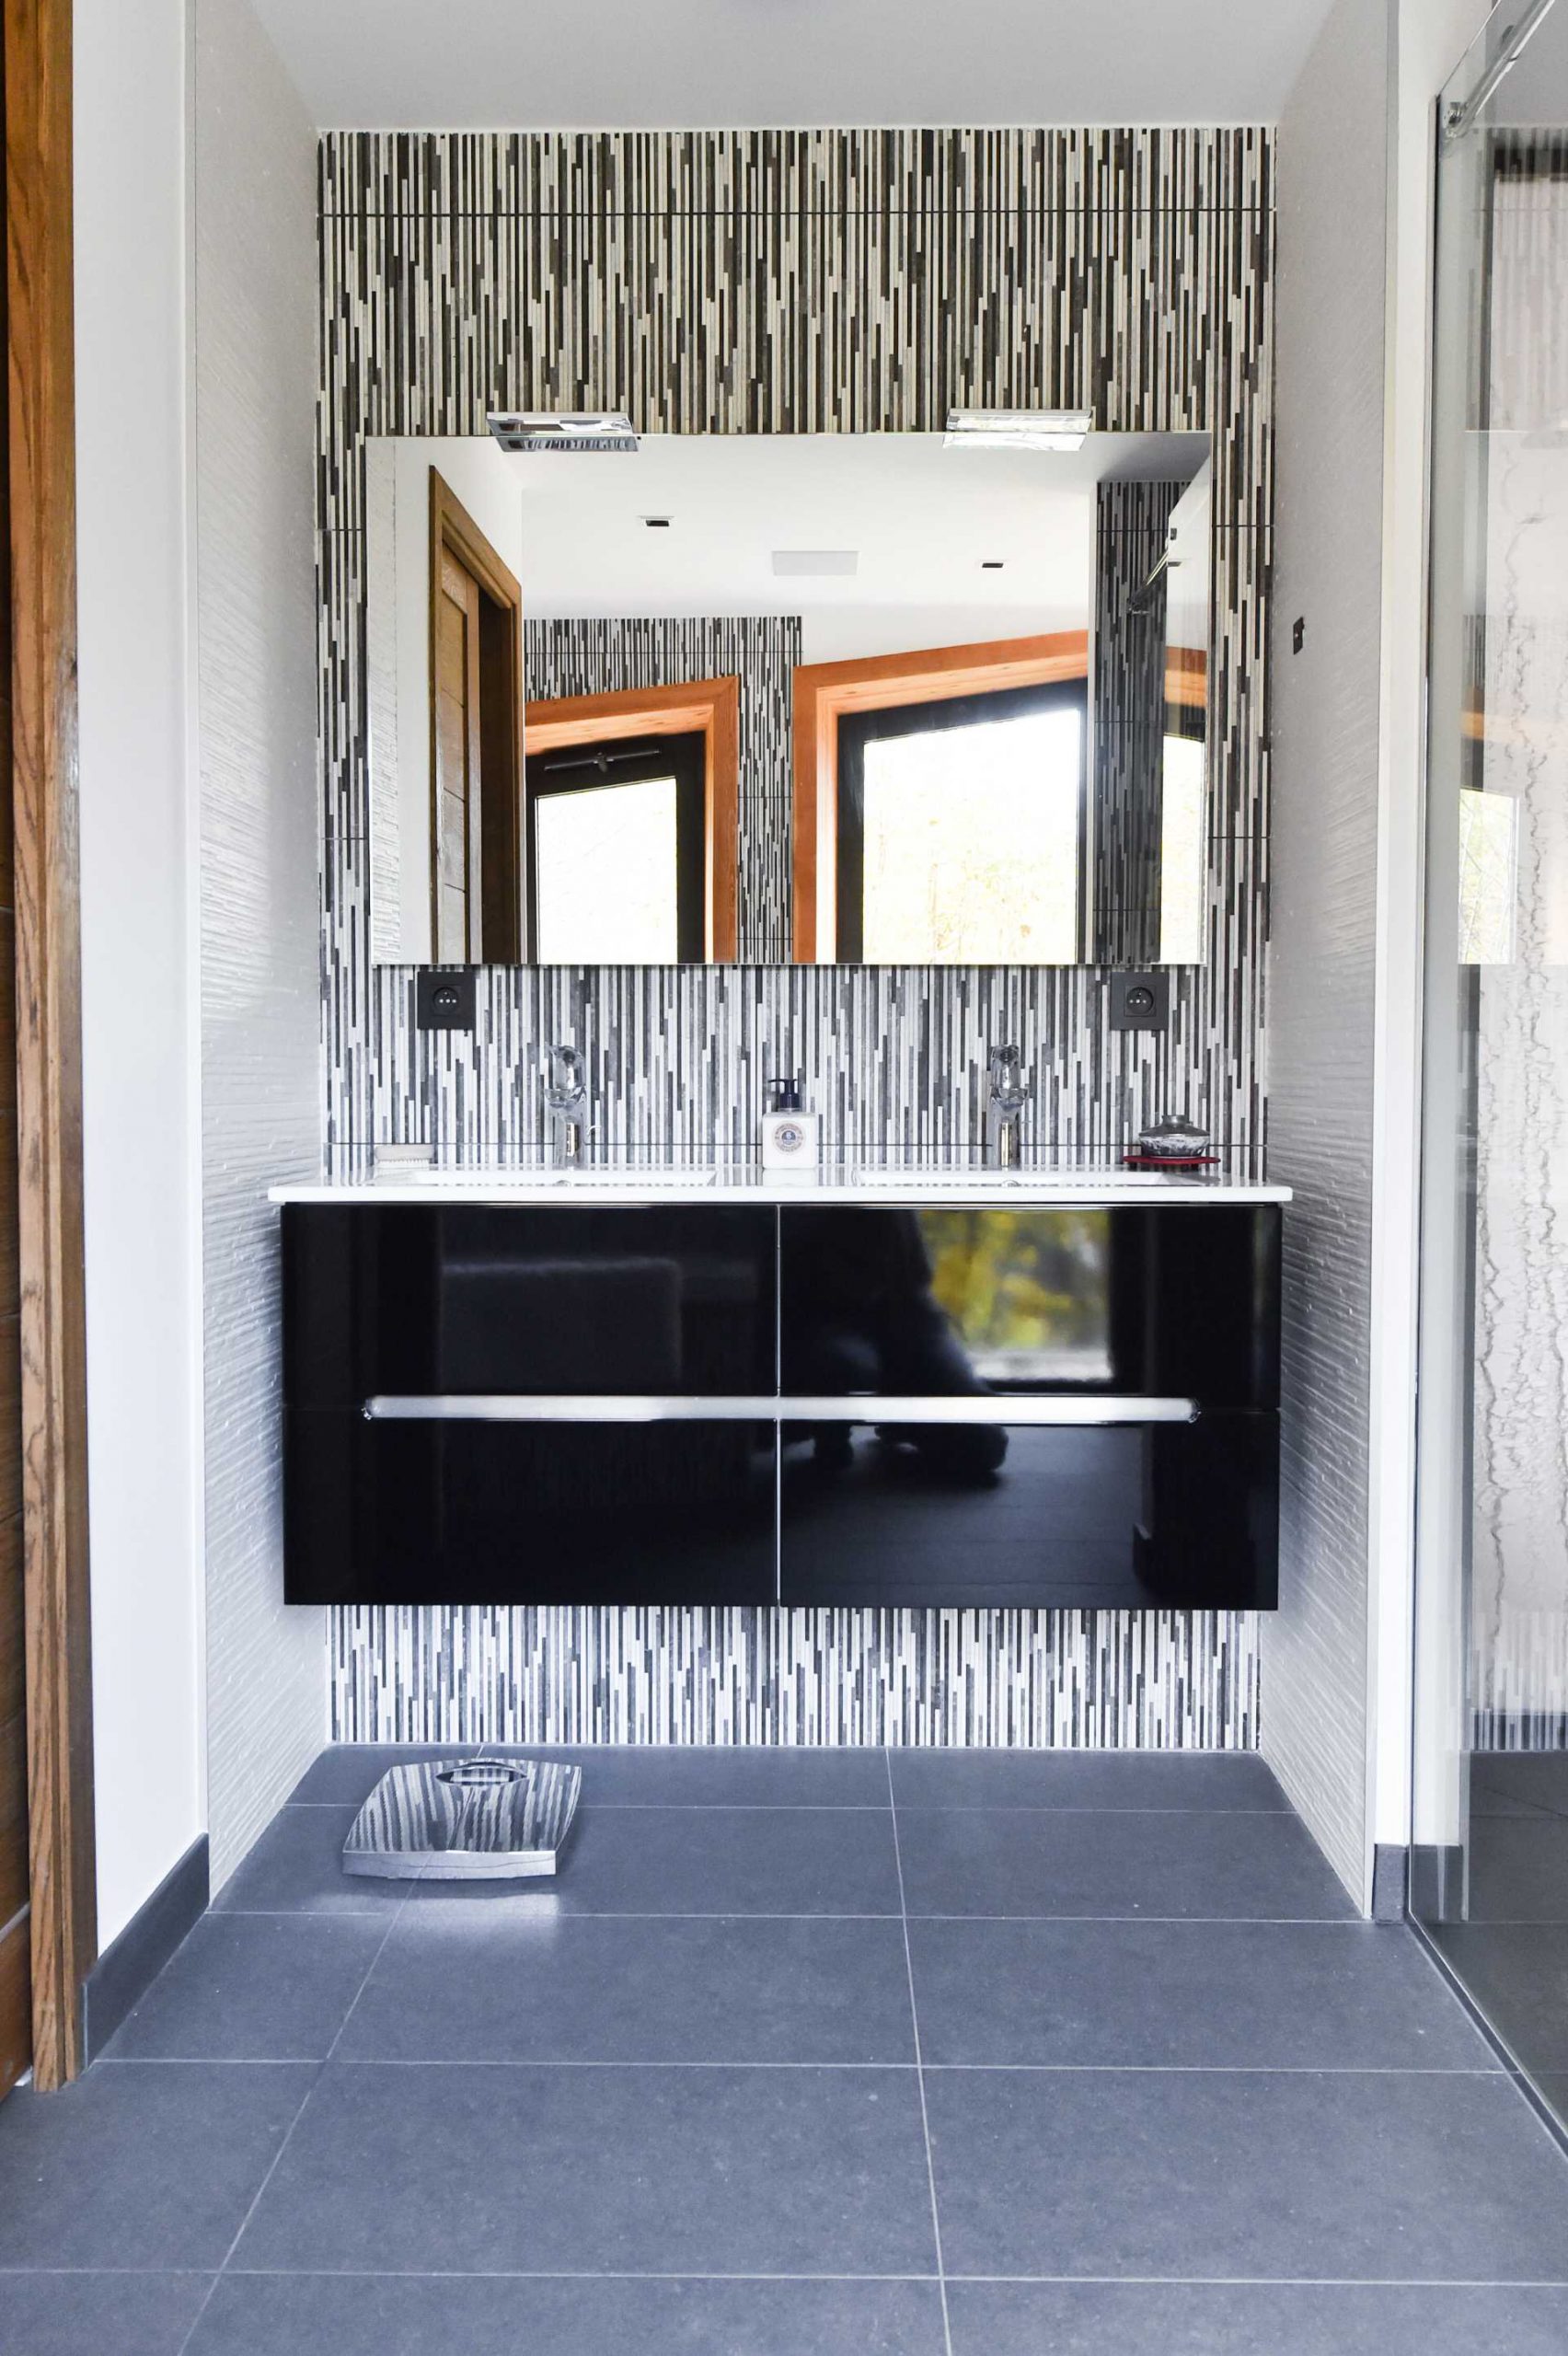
pixel 815 564
pixel 537 429
pixel 1017 429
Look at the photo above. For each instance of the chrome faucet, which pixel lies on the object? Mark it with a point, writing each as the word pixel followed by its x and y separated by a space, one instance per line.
pixel 1006 1097
pixel 565 1096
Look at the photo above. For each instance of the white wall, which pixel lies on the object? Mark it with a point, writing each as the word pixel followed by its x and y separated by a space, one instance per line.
pixel 1353 296
pixel 255 344
pixel 1430 38
pixel 1329 377
pixel 138 951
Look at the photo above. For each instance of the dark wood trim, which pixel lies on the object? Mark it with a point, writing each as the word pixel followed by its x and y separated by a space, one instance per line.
pixel 824 691
pixel 498 714
pixel 42 445
pixel 711 707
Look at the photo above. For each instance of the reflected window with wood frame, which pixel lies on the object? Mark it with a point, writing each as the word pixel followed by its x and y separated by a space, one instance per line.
pixel 960 828
pixel 940 804
pixel 615 838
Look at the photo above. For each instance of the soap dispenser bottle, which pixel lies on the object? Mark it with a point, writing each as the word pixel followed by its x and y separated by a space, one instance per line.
pixel 792 1140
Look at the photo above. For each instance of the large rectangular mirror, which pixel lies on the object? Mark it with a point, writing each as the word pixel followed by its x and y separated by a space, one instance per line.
pixel 835 698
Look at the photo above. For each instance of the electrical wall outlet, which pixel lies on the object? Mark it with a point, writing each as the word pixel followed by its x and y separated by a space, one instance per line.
pixel 444 998
pixel 1140 1002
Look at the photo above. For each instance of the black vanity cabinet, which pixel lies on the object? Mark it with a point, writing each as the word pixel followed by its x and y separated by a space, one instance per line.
pixel 1070 1404
pixel 529 1405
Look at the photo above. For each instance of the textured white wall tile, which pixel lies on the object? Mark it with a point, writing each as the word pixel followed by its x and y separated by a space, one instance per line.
pixel 1330 295
pixel 261 1063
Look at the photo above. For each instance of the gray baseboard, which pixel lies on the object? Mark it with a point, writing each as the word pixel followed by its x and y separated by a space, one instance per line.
pixel 124 1972
pixel 1390 1881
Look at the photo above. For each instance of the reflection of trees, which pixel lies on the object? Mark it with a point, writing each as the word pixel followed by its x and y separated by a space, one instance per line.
pixel 1021 1281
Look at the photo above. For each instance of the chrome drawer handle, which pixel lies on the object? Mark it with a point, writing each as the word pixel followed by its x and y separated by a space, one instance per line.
pixel 579 1407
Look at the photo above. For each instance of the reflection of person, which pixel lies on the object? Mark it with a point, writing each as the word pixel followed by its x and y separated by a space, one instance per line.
pixel 861 1316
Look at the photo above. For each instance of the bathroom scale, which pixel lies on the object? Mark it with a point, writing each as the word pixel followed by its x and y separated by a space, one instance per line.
pixel 465 1819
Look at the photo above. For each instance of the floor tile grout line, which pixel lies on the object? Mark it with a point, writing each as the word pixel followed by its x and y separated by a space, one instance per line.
pixel 861 1807
pixel 919 2072
pixel 251 2208
pixel 319 2072
pixel 1497 2070
pixel 559 2274
pixel 819 1914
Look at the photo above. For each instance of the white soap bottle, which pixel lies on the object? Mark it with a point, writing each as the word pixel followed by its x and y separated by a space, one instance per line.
pixel 792 1140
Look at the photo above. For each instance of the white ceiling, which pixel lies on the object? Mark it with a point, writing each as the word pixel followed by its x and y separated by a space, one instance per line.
pixel 921 521
pixel 549 64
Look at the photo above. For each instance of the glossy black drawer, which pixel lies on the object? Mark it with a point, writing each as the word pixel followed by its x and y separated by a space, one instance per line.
pixel 1085 1517
pixel 450 1511
pixel 1163 1302
pixel 474 1298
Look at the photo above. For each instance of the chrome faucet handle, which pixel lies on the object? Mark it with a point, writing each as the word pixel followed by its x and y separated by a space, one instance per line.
pixel 565 1086
pixel 565 1094
pixel 1010 1089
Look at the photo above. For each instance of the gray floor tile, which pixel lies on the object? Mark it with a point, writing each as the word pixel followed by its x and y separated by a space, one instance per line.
pixel 254 1988
pixel 378 2315
pixel 1520 1783
pixel 344 1773
pixel 1110 1779
pixel 1215 2175
pixel 1271 1996
pixel 1518 1974
pixel 141 2164
pixel 1518 1869
pixel 99 2314
pixel 998 1861
pixel 618 2171
pixel 296 1867
pixel 457 1984
pixel 1253 2319
pixel 707 1860
pixel 623 1775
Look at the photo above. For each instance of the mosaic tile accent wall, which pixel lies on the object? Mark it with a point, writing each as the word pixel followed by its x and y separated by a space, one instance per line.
pixel 802 282
pixel 1091 1681
pixel 1131 525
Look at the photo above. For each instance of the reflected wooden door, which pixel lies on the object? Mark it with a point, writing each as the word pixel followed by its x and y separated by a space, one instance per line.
pixel 476 727
pixel 457 881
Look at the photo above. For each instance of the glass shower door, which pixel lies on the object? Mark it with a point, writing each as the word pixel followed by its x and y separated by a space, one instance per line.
pixel 1489 1879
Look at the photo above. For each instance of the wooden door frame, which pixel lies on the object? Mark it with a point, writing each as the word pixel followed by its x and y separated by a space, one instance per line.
pixel 709 708
pixel 451 528
pixel 824 692
pixel 42 444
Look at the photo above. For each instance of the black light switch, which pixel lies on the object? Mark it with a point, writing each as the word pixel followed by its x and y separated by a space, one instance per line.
pixel 444 998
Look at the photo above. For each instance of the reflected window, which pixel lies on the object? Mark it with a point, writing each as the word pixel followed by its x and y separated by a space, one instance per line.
pixel 960 829
pixel 1181 864
pixel 1028 1292
pixel 1489 855
pixel 617 854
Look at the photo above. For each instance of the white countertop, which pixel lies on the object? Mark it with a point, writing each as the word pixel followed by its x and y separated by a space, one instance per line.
pixel 909 1187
